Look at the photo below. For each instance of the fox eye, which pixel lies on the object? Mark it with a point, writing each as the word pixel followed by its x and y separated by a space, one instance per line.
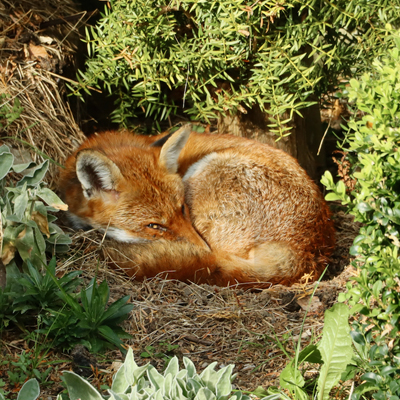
pixel 156 226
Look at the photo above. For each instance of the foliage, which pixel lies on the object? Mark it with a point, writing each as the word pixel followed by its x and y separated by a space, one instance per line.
pixel 41 291
pixel 90 321
pixel 28 230
pixel 164 354
pixel 372 196
pixel 27 225
pixel 29 391
pixel 158 57
pixel 8 113
pixel 140 383
pixel 333 353
pixel 26 366
pixel 133 382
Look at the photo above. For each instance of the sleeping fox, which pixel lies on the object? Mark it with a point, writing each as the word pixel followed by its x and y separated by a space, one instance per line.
pixel 205 208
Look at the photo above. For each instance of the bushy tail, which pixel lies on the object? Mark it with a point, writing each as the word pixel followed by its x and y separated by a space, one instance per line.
pixel 269 263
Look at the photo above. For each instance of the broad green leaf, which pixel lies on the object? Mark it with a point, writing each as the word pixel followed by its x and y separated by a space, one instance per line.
pixel 120 383
pixel 155 378
pixel 117 396
pixel 21 203
pixel 35 175
pixel 4 149
pixel 6 162
pixel 224 385
pixel 50 198
pixel 335 348
pixel 173 367
pixel 18 168
pixel 79 388
pixel 205 394
pixel 30 390
pixel 189 366
pixel 292 380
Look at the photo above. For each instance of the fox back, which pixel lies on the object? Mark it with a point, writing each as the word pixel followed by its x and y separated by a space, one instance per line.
pixel 207 208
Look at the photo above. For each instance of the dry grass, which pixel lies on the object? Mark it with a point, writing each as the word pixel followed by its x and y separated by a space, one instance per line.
pixel 31 61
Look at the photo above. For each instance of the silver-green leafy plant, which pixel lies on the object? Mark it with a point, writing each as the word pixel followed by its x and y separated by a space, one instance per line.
pixel 26 212
pixel 29 391
pixel 132 382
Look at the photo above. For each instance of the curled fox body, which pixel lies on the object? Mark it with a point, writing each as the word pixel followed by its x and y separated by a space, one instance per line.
pixel 214 209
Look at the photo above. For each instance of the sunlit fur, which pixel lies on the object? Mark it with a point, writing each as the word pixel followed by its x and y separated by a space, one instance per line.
pixel 255 215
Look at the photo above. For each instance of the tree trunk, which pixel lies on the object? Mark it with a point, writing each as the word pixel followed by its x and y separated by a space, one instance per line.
pixel 302 143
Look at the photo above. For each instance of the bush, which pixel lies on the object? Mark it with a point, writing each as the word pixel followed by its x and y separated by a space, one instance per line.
pixel 372 196
pixel 158 57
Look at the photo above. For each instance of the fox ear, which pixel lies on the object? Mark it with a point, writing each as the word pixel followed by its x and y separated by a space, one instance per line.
pixel 172 147
pixel 96 172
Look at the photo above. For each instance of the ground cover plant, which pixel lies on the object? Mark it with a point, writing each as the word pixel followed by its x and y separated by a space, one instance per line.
pixel 370 192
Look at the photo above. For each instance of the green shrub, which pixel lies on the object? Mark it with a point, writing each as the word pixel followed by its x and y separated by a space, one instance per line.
pixel 373 197
pixel 202 58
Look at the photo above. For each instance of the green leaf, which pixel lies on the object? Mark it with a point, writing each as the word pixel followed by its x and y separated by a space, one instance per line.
pixel 6 162
pixel 36 175
pixel 335 348
pixel 50 198
pixel 21 203
pixel 30 390
pixel 173 367
pixel 18 168
pixel 205 394
pixel 224 385
pixel 291 379
pixel 155 378
pixel 79 388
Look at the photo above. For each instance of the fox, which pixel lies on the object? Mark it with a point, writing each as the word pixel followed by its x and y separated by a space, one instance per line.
pixel 199 207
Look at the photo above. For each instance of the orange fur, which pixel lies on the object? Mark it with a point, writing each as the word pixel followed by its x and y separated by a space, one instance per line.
pixel 197 207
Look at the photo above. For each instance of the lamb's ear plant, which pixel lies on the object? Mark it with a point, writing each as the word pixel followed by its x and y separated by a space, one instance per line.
pixel 132 382
pixel 27 208
pixel 29 391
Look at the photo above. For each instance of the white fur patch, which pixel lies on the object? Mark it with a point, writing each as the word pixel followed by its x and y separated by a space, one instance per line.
pixel 199 166
pixel 121 235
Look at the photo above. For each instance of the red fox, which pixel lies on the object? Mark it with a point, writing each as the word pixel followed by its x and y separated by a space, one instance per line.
pixel 205 208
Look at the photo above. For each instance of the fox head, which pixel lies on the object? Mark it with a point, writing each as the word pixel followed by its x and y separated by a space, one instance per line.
pixel 129 190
